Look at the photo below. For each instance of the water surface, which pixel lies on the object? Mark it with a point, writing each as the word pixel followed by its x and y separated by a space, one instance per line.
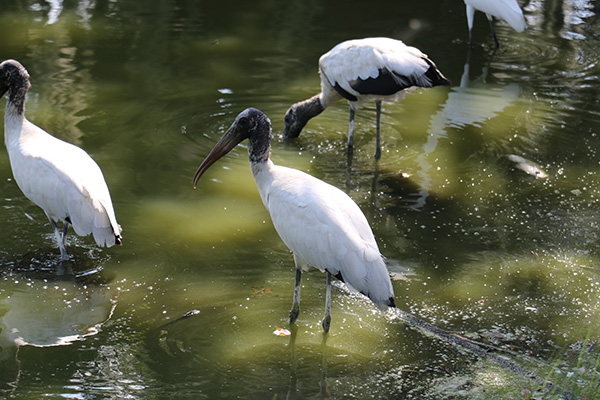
pixel 484 202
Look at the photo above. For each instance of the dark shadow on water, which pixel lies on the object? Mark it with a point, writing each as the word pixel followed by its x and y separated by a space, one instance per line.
pixel 289 367
pixel 84 266
pixel 406 191
pixel 323 382
pixel 293 391
pixel 293 387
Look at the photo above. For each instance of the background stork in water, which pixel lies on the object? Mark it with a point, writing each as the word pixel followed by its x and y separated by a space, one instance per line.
pixel 59 177
pixel 321 224
pixel 371 69
pixel 507 10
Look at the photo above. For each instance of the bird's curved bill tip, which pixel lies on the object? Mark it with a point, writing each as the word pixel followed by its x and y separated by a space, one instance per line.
pixel 216 153
pixel 199 173
pixel 212 158
pixel 224 146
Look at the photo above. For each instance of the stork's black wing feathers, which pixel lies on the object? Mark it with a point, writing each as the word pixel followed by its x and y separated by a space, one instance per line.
pixel 388 83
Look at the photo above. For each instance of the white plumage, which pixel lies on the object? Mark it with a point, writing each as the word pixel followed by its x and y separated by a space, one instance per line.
pixel 57 176
pixel 507 10
pixel 353 61
pixel 324 228
pixel 320 223
pixel 371 69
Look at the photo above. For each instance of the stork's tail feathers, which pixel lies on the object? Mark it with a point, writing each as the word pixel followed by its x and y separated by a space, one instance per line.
pixel 435 77
pixel 391 302
pixel 118 237
pixel 105 229
pixel 384 305
pixel 107 236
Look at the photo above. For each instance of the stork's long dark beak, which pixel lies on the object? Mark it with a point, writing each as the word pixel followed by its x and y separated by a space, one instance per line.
pixel 230 139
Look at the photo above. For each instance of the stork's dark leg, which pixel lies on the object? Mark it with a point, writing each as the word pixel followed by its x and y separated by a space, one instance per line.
pixel 296 303
pixel 491 19
pixel 59 240
pixel 470 18
pixel 378 138
pixel 64 234
pixel 348 169
pixel 351 132
pixel 327 319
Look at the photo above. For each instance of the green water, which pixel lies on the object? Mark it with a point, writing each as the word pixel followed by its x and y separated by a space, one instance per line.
pixel 476 246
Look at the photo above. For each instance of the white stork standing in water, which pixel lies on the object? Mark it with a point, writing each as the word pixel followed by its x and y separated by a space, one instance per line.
pixel 57 176
pixel 320 223
pixel 371 69
pixel 507 10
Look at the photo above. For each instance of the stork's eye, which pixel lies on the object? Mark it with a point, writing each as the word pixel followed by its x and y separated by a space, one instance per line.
pixel 290 117
pixel 244 123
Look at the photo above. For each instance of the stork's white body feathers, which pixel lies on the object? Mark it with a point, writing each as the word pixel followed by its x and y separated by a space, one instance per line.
pixel 507 10
pixel 60 178
pixel 324 228
pixel 362 59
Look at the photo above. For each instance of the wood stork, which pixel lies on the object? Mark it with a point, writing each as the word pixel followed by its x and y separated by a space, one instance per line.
pixel 371 69
pixel 507 10
pixel 320 223
pixel 59 177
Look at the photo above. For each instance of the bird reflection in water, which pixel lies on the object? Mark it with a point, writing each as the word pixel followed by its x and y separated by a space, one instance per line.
pixel 41 309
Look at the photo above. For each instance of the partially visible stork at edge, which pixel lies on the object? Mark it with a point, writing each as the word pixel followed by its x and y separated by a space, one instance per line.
pixel 59 177
pixel 507 10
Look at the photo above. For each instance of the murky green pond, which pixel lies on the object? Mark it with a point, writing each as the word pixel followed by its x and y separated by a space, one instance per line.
pixel 485 203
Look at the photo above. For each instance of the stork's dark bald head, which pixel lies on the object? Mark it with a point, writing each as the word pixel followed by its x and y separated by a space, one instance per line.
pixel 14 79
pixel 251 124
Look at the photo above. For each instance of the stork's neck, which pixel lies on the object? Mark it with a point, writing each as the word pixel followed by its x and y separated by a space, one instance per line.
pixel 259 142
pixel 313 106
pixel 14 110
pixel 264 174
pixel 14 116
pixel 259 150
pixel 17 94
pixel 261 168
